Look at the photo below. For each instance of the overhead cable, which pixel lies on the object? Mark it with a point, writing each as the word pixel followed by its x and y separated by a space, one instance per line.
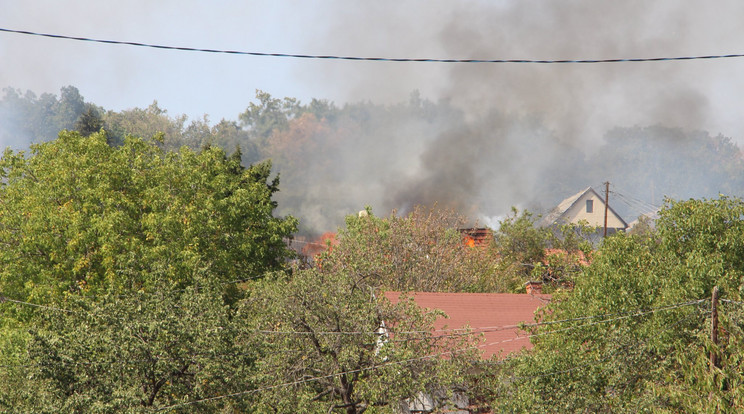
pixel 368 58
pixel 406 361
pixel 36 305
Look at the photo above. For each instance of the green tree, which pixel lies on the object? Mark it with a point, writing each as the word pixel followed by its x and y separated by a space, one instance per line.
pixel 527 251
pixel 423 250
pixel 139 352
pixel 633 333
pixel 81 216
pixel 27 118
pixel 148 123
pixel 90 120
pixel 108 239
pixel 329 342
pixel 231 137
pixel 267 116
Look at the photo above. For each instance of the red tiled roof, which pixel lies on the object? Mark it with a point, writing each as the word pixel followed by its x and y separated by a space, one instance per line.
pixel 494 314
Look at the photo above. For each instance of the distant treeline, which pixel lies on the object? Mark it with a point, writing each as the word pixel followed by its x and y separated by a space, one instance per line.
pixel 335 159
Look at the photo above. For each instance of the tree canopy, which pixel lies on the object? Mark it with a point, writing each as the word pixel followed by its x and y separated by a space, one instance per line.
pixel 633 334
pixel 422 250
pixel 79 215
pixel 332 342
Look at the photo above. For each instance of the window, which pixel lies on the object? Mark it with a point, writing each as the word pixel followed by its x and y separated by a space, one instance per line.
pixel 589 206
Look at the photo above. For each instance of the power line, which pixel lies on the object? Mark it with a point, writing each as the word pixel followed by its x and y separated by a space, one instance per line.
pixel 457 331
pixel 592 363
pixel 367 58
pixel 430 356
pixel 640 205
pixel 20 302
pixel 486 329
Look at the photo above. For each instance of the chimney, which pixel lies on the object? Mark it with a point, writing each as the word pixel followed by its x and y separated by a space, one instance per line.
pixel 533 287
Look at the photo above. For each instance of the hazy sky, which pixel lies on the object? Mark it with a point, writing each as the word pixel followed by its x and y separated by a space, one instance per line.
pixel 576 100
pixel 578 103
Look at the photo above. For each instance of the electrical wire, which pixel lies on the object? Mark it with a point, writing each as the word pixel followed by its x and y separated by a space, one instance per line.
pixel 377 59
pixel 646 204
pixel 486 329
pixel 456 331
pixel 592 363
pixel 430 356
pixel 4 298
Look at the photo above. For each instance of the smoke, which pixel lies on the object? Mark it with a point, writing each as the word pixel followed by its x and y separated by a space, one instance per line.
pixel 500 134
pixel 579 101
pixel 524 122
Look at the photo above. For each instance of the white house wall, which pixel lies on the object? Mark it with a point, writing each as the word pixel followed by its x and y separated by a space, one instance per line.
pixel 596 217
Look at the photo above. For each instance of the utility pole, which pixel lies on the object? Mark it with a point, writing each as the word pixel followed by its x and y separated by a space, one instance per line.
pixel 714 329
pixel 607 200
pixel 714 363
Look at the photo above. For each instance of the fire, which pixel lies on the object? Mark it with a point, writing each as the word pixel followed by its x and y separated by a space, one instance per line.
pixel 479 237
pixel 324 243
pixel 469 241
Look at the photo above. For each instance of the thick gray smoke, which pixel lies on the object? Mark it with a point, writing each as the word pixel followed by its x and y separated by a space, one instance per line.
pixel 513 124
pixel 495 158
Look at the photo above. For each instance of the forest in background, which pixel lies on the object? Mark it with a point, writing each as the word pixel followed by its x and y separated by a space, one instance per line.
pixel 335 159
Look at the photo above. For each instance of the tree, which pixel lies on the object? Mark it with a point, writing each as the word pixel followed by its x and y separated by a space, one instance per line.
pixel 422 251
pixel 80 216
pixel 521 246
pixel 140 352
pixel 267 116
pixel 28 118
pixel 329 342
pixel 108 239
pixel 69 108
pixel 633 333
pixel 229 136
pixel 658 161
pixel 148 123
pixel 90 120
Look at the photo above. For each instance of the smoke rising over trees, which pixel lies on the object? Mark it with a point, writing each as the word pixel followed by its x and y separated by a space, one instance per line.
pixel 335 159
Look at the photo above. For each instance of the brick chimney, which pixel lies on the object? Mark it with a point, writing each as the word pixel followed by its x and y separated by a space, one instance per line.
pixel 533 287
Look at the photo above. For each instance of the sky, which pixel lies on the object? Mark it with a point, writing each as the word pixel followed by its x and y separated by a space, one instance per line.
pixel 578 101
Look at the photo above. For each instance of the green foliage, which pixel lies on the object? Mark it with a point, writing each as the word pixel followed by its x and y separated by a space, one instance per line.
pixel 323 348
pixel 90 121
pixel 634 360
pixel 422 251
pixel 131 253
pixel 267 116
pixel 81 216
pixel 135 353
pixel 27 118
pixel 148 122
pixel 521 246
pixel 527 251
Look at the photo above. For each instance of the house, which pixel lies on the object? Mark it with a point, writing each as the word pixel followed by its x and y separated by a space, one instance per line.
pixel 479 237
pixel 588 206
pixel 647 220
pixel 496 316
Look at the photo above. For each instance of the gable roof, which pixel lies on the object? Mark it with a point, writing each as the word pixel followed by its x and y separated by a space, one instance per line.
pixel 650 217
pixel 556 214
pixel 496 315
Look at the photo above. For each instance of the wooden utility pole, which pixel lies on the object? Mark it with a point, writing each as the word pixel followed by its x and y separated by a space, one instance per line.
pixel 714 329
pixel 714 363
pixel 607 205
